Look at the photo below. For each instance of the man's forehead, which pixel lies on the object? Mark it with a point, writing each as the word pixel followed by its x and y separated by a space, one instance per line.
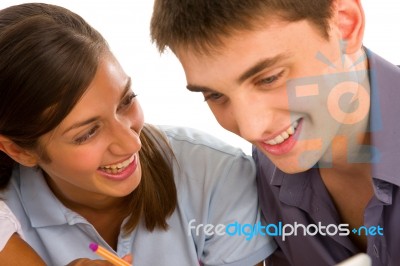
pixel 216 44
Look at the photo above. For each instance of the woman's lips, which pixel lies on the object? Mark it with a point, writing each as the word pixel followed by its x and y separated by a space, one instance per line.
pixel 121 170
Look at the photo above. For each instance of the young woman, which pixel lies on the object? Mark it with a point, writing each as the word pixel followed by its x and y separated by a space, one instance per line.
pixel 79 165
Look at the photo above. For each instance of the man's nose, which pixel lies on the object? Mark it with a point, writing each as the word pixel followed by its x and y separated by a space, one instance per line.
pixel 252 119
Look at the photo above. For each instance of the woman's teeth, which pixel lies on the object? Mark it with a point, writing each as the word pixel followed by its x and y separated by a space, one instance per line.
pixel 284 135
pixel 117 168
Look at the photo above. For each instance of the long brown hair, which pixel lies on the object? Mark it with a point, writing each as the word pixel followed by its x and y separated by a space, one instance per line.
pixel 48 57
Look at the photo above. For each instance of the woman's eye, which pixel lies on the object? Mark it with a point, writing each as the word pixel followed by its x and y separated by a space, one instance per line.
pixel 126 101
pixel 87 136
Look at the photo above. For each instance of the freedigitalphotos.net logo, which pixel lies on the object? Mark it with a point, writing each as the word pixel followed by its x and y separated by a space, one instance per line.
pixel 248 231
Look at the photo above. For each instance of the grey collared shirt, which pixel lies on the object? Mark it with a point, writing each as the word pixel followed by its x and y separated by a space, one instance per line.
pixel 303 199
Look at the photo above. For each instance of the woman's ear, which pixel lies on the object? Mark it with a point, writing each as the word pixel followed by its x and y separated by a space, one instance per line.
pixel 17 153
pixel 351 23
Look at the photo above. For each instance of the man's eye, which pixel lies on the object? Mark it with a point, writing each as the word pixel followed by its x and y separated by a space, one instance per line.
pixel 271 79
pixel 212 96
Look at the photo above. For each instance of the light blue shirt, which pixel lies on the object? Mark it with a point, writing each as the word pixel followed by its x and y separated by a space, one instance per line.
pixel 216 188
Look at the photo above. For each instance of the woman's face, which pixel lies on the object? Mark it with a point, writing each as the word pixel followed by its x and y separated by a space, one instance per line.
pixel 94 151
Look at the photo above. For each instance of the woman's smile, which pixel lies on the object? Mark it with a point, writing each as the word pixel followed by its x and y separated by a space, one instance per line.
pixel 120 171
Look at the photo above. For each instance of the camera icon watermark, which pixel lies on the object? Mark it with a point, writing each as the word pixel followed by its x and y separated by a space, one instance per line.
pixel 340 101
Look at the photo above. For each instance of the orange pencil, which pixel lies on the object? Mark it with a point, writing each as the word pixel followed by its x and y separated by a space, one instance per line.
pixel 107 255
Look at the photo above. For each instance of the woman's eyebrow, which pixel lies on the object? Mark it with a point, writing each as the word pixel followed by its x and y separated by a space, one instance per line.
pixel 92 119
pixel 81 123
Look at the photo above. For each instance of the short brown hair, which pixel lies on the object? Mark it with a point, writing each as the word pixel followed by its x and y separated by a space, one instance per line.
pixel 202 23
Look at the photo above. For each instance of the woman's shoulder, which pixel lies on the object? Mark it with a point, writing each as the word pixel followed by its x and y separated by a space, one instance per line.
pixel 184 139
pixel 4 210
pixel 204 159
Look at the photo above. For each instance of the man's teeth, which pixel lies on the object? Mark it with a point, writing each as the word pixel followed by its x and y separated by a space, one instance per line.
pixel 116 168
pixel 284 135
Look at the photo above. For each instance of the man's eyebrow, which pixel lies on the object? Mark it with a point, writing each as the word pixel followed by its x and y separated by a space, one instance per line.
pixel 92 119
pixel 195 88
pixel 260 65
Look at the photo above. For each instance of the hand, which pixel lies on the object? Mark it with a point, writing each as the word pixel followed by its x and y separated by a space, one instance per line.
pixel 88 262
pixel 17 252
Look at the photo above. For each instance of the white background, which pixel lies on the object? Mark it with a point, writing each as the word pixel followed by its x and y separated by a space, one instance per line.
pixel 159 79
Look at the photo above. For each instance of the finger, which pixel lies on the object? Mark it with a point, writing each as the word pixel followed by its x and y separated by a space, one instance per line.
pixel 128 258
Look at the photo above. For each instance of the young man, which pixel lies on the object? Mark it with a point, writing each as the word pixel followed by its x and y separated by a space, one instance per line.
pixel 293 78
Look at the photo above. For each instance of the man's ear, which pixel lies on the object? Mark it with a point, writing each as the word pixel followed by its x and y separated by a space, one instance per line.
pixel 17 153
pixel 351 23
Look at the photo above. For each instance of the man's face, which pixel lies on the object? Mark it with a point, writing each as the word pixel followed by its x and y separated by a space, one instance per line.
pixel 279 88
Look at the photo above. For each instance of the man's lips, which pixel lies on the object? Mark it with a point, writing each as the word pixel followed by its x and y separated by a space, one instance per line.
pixel 283 142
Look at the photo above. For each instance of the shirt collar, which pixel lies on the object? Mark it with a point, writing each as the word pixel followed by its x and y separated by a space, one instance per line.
pixel 43 208
pixel 385 127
